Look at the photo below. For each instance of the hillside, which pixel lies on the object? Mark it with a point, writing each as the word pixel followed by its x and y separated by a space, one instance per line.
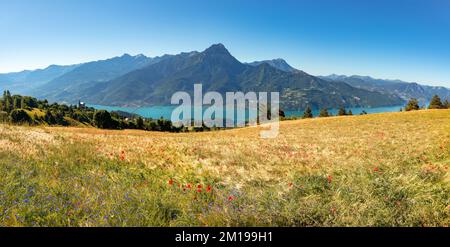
pixel 374 170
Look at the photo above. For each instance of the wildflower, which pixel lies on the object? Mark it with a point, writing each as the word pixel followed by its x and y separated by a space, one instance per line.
pixel 170 181
pixel 26 201
pixel 199 190
pixel 230 198
pixel 290 184
pixel 208 189
pixel 330 179
pixel 188 186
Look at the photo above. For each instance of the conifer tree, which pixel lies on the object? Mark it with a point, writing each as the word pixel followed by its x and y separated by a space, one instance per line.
pixel 435 103
pixel 413 104
pixel 342 112
pixel 324 113
pixel 308 113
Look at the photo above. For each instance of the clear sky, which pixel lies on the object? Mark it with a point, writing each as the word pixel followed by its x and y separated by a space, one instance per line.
pixel 395 39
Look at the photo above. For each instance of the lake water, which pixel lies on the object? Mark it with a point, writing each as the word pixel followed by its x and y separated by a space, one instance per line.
pixel 157 112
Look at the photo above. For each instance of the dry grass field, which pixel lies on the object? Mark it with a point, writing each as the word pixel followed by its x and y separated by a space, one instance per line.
pixel 386 169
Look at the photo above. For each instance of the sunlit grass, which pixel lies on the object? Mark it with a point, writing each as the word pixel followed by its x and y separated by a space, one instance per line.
pixel 374 170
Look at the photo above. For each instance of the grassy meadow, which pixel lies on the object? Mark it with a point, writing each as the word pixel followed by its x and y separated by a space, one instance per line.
pixel 386 169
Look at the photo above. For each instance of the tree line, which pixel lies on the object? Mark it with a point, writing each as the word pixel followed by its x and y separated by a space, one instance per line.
pixel 435 103
pixel 17 109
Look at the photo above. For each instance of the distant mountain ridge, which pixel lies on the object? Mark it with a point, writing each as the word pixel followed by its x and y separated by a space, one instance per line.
pixel 63 87
pixel 402 89
pixel 219 71
pixel 278 63
pixel 144 81
pixel 23 82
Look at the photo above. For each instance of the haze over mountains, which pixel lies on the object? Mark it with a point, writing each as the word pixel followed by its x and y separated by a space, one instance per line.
pixel 144 81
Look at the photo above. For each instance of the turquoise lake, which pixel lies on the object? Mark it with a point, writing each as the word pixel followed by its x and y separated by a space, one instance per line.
pixel 156 112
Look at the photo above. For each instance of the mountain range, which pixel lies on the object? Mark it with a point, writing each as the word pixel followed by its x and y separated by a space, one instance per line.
pixel 143 81
pixel 404 90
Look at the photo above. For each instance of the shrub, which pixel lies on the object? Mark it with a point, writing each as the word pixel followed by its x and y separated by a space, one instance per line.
pixel 4 116
pixel 20 116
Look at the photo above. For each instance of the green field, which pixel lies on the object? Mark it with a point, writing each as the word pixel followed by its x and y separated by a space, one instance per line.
pixel 386 169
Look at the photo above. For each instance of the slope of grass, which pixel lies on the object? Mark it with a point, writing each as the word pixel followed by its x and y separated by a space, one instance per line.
pixel 374 170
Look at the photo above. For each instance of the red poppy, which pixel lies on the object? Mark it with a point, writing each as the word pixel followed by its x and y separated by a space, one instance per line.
pixel 330 179
pixel 291 184
pixel 170 182
pixel 208 189
pixel 230 198
pixel 188 186
pixel 199 190
pixel 199 186
pixel 376 169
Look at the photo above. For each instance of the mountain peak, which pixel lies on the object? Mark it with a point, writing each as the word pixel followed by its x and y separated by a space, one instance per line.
pixel 217 48
pixel 278 63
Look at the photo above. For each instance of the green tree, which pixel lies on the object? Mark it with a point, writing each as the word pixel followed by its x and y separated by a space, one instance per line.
pixel 20 116
pixel 102 119
pixel 446 104
pixel 7 105
pixel 342 112
pixel 16 103
pixel 22 103
pixel 140 123
pixel 308 113
pixel 435 103
pixel 413 104
pixel 350 113
pixel 324 113
pixel 49 118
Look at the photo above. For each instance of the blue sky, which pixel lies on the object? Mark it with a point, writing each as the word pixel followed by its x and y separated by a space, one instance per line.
pixel 400 39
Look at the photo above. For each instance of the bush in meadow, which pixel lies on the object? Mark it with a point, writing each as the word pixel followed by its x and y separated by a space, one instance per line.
pixel 20 116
